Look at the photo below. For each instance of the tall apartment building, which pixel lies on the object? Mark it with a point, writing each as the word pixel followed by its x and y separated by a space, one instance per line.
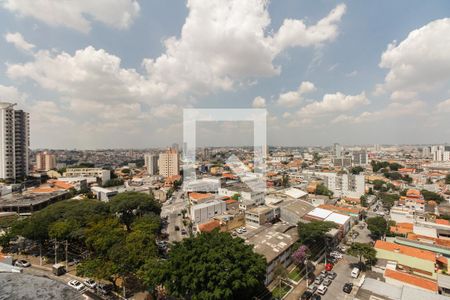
pixel 440 153
pixel 338 150
pixel 14 142
pixel 45 161
pixel 360 158
pixel 346 185
pixel 169 163
pixel 151 163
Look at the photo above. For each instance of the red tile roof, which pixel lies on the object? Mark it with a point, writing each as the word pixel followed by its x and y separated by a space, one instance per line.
pixel 412 280
pixel 209 226
pixel 410 251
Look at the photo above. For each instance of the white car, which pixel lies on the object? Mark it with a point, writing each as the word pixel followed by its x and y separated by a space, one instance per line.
pixel 355 273
pixel 76 285
pixel 90 283
pixel 22 263
pixel 322 289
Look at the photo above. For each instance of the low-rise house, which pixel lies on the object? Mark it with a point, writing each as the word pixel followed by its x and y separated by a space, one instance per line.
pixel 408 259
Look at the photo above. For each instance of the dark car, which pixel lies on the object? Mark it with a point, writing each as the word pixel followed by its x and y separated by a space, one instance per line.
pixel 316 297
pixel 348 288
pixel 177 228
pixel 306 295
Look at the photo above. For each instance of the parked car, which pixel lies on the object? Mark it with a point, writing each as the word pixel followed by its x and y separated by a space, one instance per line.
pixel 355 273
pixel 329 267
pixel 312 288
pixel 331 275
pixel 322 289
pixel 323 273
pixel 316 297
pixel 104 288
pixel 326 282
pixel 183 231
pixel 90 283
pixel 76 285
pixel 306 295
pixel 22 263
pixel 318 280
pixel 347 288
pixel 177 228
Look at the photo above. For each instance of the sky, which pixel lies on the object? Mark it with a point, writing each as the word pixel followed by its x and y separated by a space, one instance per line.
pixel 118 73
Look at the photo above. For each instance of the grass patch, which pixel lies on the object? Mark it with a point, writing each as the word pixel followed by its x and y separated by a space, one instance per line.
pixel 295 274
pixel 280 291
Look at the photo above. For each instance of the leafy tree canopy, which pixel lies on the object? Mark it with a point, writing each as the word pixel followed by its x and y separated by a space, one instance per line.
pixel 314 233
pixel 128 205
pixel 363 251
pixel 378 227
pixel 210 266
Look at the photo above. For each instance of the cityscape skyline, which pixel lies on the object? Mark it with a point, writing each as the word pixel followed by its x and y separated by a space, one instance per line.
pixel 323 71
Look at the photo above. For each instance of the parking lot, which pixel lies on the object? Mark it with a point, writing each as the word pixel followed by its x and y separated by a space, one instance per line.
pixel 343 269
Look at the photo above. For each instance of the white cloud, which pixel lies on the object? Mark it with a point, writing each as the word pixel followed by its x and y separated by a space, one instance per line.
pixel 18 41
pixel 206 57
pixel 403 95
pixel 77 14
pixel 12 94
pixel 333 103
pixel 259 102
pixel 443 106
pixel 296 33
pixel 293 98
pixel 89 74
pixel 419 63
pixel 203 60
pixel 393 110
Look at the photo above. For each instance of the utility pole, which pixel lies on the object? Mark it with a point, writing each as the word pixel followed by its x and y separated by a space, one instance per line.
pixel 56 252
pixel 67 263
pixel 40 253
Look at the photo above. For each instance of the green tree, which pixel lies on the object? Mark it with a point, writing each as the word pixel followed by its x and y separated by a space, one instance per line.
pixel 378 227
pixel 129 205
pixel 363 199
pixel 321 189
pixel 356 170
pixel 313 234
pixel 363 251
pixel 428 195
pixel 447 179
pixel 113 182
pixel 209 266
pixel 388 200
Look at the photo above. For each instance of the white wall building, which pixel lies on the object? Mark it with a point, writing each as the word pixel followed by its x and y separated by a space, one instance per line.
pixel 203 212
pixel 343 185
pixel 151 162
pixel 104 175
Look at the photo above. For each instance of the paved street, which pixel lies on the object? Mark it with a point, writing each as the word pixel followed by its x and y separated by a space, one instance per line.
pixel 363 233
pixel 343 269
pixel 172 209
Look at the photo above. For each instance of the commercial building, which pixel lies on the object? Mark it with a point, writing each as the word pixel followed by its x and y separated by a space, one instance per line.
pixel 45 161
pixel 203 212
pixel 169 163
pixel 259 215
pixel 151 163
pixel 275 243
pixel 14 142
pixel 102 174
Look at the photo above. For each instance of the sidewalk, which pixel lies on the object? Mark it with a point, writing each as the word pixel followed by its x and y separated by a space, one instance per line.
pixel 296 293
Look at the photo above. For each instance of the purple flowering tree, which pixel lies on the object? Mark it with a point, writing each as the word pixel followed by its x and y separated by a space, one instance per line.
pixel 299 255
